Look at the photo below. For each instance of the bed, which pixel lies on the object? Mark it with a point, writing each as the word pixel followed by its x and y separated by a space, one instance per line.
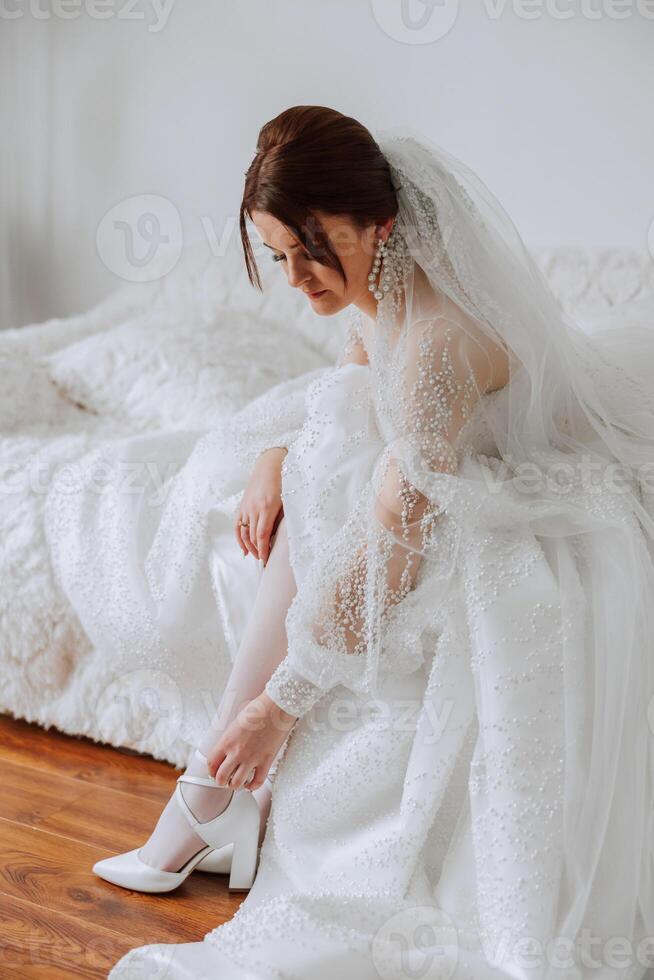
pixel 180 352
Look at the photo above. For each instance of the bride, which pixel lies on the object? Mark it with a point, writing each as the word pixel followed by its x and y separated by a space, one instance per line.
pixel 434 745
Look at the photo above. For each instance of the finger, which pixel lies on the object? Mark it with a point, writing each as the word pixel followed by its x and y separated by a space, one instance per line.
pixel 254 522
pixel 263 539
pixel 225 770
pixel 259 778
pixel 240 775
pixel 245 535
pixel 214 762
pixel 237 532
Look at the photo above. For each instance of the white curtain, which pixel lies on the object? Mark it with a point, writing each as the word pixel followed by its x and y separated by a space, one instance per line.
pixel 26 169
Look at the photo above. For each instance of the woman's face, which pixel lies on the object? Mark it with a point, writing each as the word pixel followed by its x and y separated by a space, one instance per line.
pixel 324 287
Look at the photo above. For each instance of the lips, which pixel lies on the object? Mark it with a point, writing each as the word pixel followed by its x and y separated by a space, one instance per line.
pixel 316 295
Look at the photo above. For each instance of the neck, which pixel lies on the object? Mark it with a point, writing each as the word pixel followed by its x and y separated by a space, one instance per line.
pixel 369 308
pixel 368 305
pixel 370 314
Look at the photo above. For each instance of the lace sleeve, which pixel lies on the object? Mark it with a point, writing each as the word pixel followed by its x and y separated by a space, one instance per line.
pixel 351 600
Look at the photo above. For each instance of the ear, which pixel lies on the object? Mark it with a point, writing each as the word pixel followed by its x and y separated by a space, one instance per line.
pixel 383 230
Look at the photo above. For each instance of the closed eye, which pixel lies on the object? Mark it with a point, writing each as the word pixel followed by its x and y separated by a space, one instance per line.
pixel 282 258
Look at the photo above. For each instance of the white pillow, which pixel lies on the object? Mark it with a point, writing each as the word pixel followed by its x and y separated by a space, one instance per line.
pixel 209 283
pixel 155 372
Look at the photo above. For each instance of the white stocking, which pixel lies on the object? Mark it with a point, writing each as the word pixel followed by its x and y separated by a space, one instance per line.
pixel 173 842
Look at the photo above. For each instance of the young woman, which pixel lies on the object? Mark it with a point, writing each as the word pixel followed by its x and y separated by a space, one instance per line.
pixel 454 624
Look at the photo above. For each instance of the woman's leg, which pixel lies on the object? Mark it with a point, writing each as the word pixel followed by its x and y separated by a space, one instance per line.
pixel 263 646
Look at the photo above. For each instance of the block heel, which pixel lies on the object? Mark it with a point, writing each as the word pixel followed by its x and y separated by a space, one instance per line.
pixel 244 863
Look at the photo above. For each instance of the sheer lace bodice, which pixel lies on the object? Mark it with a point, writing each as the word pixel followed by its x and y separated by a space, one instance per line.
pixel 415 407
pixel 476 434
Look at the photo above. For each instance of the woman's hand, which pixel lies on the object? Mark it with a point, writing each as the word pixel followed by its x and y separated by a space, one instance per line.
pixel 261 505
pixel 249 743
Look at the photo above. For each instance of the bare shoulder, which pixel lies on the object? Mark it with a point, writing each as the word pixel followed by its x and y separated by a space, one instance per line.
pixel 474 349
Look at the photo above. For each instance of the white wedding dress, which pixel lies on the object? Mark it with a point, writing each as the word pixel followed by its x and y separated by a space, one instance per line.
pixel 382 812
pixel 443 821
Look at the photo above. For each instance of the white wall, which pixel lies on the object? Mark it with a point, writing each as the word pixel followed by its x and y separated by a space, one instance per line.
pixel 553 111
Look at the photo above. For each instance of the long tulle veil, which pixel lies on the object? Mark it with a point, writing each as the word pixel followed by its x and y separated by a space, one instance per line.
pixel 576 423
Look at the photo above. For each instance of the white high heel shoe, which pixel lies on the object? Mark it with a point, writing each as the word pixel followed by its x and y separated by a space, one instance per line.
pixel 219 861
pixel 235 830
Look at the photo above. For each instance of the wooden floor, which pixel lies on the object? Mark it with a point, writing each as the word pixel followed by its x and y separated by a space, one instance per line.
pixel 65 802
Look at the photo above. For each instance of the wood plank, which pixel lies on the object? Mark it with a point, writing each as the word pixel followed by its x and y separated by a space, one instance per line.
pixel 66 802
pixel 30 796
pixel 40 944
pixel 77 757
pixel 71 808
pixel 55 873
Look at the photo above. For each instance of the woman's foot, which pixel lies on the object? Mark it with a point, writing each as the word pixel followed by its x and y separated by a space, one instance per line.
pixel 173 842
pixel 235 829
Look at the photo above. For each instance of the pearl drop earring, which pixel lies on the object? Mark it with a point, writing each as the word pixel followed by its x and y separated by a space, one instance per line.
pixel 397 265
pixel 378 290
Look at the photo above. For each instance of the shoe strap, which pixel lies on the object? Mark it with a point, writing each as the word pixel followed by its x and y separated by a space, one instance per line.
pixel 207 781
pixel 196 825
pixel 199 781
pixel 185 807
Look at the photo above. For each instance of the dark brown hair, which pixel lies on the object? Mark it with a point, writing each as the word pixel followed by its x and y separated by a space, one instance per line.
pixel 312 158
